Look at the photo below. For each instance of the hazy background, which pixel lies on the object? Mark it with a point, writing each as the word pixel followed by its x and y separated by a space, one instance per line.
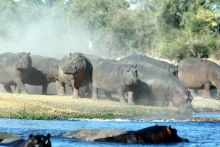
pixel 111 28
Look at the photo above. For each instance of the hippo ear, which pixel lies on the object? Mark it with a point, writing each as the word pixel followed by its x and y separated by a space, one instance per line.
pixel 29 53
pixel 30 136
pixel 70 54
pixel 135 66
pixel 48 135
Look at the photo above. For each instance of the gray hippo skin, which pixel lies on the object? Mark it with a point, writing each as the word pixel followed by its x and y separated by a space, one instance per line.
pixel 162 87
pixel 150 135
pixel 200 74
pixel 44 71
pixel 75 70
pixel 144 60
pixel 115 78
pixel 32 141
pixel 14 70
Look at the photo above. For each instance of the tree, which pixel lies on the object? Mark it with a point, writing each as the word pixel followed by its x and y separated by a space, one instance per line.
pixel 94 14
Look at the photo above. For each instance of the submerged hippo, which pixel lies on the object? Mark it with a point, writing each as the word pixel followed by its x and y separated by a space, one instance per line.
pixel 150 135
pixel 143 60
pixel 44 71
pixel 14 70
pixel 200 74
pixel 32 141
pixel 163 88
pixel 76 71
pixel 115 78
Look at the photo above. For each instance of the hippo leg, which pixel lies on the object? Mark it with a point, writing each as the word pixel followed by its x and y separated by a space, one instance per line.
pixel 20 86
pixel 88 91
pixel 94 92
pixel 60 87
pixel 130 98
pixel 8 88
pixel 206 91
pixel 44 89
pixel 75 89
pixel 107 94
pixel 122 96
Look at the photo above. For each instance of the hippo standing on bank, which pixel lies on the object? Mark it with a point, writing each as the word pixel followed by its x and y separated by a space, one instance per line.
pixel 14 70
pixel 44 71
pixel 144 60
pixel 75 70
pixel 200 74
pixel 115 78
pixel 162 88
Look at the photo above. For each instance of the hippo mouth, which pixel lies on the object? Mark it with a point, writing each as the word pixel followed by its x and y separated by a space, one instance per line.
pixel 69 72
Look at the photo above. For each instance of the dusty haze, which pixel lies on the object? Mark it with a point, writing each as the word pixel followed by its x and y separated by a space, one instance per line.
pixel 48 34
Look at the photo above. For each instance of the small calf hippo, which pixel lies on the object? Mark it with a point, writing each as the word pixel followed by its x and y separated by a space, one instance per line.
pixel 115 78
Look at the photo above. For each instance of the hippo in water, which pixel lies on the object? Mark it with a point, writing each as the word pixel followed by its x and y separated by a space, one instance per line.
pixel 144 60
pixel 149 135
pixel 115 78
pixel 75 70
pixel 32 141
pixel 200 74
pixel 14 70
pixel 162 88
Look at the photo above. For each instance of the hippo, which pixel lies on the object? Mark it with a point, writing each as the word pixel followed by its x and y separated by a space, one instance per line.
pixel 159 87
pixel 115 78
pixel 44 70
pixel 32 141
pixel 76 71
pixel 142 59
pixel 14 69
pixel 149 135
pixel 199 73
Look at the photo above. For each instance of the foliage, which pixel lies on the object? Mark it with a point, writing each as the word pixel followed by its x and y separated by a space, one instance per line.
pixel 177 28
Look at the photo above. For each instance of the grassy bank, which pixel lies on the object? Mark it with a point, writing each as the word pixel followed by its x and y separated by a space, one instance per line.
pixel 65 107
pixel 58 107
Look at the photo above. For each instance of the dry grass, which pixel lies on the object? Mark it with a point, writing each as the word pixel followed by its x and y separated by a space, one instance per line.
pixel 205 104
pixel 52 107
pixel 65 107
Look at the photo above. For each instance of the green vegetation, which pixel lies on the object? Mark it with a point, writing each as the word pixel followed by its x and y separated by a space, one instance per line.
pixel 173 29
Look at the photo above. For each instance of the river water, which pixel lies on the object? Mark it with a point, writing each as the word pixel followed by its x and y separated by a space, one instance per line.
pixel 199 133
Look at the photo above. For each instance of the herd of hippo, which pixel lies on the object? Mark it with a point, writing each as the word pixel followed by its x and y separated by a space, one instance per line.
pixel 135 79
pixel 150 135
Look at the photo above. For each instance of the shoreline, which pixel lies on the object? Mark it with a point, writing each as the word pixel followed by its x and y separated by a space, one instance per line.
pixel 52 107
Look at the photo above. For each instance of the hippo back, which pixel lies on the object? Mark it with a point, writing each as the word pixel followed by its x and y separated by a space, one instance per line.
pixel 144 60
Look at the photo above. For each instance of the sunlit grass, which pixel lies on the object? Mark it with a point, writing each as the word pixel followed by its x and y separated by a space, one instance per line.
pixel 65 107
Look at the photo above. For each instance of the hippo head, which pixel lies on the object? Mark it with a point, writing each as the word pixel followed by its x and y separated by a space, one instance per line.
pixel 22 61
pixel 75 63
pixel 129 74
pixel 38 141
pixel 215 80
pixel 181 98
